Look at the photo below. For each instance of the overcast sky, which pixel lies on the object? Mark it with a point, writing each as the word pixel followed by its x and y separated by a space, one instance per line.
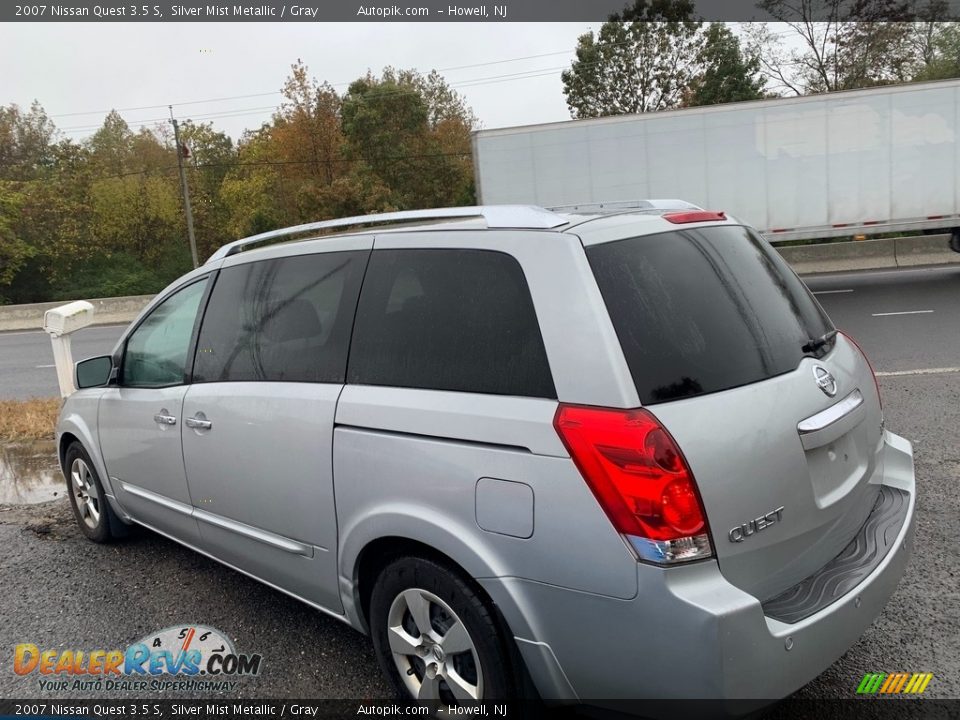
pixel 82 67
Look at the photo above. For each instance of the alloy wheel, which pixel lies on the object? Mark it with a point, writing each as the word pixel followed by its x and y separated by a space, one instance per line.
pixel 433 651
pixel 85 493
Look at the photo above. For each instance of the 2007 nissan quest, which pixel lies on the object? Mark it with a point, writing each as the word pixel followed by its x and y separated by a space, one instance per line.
pixel 520 448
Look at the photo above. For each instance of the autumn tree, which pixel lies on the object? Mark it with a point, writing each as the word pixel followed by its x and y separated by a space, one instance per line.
pixel 112 145
pixel 103 216
pixel 412 133
pixel 26 140
pixel 306 128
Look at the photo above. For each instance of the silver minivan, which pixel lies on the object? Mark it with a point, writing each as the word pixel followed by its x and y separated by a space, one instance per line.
pixel 580 454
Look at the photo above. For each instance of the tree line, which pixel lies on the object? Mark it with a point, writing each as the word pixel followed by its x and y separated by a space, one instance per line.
pixel 103 216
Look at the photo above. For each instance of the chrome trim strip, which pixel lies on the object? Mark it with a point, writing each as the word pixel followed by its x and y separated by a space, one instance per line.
pixel 157 498
pixel 268 538
pixel 832 414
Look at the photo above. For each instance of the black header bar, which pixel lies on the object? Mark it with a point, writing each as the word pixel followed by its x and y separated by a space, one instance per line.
pixel 318 11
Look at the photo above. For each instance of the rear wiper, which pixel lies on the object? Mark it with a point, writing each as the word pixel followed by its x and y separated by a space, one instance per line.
pixel 817 344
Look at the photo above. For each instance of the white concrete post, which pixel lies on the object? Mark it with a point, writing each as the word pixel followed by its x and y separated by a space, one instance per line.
pixel 59 323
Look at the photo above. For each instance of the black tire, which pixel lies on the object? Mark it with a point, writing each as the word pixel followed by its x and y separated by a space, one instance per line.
pixel 88 497
pixel 408 573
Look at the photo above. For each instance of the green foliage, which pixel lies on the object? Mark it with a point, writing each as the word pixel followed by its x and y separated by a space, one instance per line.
pixel 943 60
pixel 831 45
pixel 14 252
pixel 641 61
pixel 104 217
pixel 412 133
pixel 122 273
pixel 727 75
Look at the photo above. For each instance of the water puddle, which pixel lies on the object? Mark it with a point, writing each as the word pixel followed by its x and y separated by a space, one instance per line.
pixel 29 473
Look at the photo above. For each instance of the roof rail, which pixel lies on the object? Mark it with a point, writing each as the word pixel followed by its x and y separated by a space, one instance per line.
pixel 621 205
pixel 496 216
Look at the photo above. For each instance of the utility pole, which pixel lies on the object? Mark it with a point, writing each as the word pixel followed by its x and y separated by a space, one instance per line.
pixel 185 190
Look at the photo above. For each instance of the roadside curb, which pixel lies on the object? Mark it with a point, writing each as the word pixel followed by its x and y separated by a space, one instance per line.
pixel 886 254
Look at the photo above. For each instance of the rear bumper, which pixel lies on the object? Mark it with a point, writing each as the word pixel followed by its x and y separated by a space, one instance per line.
pixel 689 634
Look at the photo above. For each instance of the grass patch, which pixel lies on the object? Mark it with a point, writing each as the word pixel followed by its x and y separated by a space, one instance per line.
pixel 33 419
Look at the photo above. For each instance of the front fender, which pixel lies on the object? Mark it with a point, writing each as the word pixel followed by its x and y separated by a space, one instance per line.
pixel 78 417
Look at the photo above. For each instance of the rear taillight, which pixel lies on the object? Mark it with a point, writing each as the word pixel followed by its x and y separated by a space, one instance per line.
pixel 640 478
pixel 876 383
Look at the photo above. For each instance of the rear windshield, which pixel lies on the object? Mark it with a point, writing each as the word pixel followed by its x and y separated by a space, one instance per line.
pixel 704 309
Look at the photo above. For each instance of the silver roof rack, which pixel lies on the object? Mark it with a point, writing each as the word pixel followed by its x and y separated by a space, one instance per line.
pixel 656 205
pixel 496 216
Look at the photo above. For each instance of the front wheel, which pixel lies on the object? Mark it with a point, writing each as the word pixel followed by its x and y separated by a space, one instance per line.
pixel 87 497
pixel 435 638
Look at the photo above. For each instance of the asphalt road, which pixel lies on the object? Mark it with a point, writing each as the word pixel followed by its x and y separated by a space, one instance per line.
pixel 26 359
pixel 867 305
pixel 905 320
pixel 64 592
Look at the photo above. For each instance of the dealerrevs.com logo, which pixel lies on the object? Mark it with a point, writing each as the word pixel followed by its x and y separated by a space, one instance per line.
pixel 185 657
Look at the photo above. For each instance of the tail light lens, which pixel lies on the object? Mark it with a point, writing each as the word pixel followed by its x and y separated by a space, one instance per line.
pixel 640 478
pixel 876 383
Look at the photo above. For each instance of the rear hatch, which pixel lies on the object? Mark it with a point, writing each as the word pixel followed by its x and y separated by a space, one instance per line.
pixel 778 417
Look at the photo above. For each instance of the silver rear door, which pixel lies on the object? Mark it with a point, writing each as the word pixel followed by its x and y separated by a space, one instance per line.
pixel 258 418
pixel 781 502
pixel 777 415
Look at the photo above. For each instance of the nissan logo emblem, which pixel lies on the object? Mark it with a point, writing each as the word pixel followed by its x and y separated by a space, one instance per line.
pixel 825 381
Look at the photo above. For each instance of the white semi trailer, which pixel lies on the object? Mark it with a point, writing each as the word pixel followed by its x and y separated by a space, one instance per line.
pixel 865 161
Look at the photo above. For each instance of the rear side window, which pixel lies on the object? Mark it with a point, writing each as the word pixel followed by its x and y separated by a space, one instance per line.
pixel 703 310
pixel 449 320
pixel 281 320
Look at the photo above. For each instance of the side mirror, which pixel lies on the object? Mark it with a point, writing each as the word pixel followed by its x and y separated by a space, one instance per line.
pixel 94 372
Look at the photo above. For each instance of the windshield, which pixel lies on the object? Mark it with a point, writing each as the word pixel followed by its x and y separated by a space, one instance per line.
pixel 704 309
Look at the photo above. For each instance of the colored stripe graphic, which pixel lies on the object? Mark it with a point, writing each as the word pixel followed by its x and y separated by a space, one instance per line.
pixel 894 683
pixel 871 683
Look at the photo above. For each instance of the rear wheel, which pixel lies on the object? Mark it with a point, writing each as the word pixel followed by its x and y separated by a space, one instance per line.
pixel 435 638
pixel 87 497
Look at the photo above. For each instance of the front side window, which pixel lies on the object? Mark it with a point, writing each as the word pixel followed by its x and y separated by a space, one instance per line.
pixel 443 319
pixel 286 320
pixel 156 353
